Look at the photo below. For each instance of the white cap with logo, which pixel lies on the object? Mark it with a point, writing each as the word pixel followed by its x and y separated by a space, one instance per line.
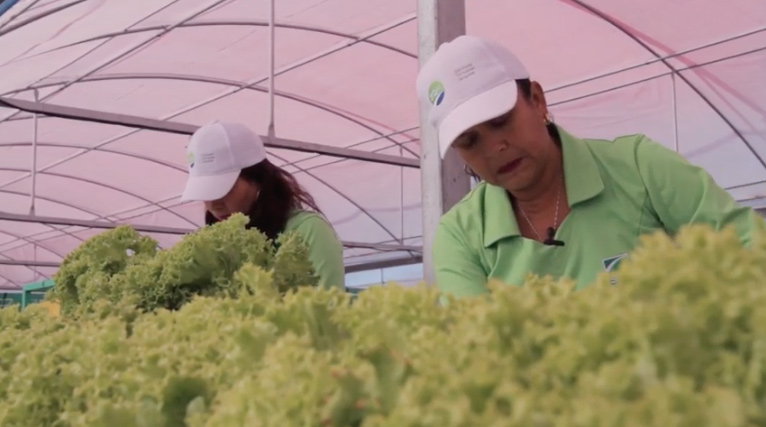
pixel 217 152
pixel 466 82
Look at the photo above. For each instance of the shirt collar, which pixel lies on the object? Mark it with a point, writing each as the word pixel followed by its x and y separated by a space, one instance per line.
pixel 583 182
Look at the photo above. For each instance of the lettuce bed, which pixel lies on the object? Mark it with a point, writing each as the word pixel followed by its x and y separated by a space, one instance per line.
pixel 162 338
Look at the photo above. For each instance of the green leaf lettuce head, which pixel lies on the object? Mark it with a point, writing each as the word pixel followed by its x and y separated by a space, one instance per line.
pixel 120 264
pixel 680 341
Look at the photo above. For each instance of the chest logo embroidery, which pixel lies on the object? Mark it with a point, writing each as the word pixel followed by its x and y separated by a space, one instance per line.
pixel 611 264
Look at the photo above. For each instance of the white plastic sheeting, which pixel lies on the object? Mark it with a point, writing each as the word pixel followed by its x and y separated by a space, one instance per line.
pixel 689 73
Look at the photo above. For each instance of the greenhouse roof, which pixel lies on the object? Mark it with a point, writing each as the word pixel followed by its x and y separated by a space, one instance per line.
pixel 97 98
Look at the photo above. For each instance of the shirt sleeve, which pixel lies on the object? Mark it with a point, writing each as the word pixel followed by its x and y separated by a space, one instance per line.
pixel 457 269
pixel 682 193
pixel 325 251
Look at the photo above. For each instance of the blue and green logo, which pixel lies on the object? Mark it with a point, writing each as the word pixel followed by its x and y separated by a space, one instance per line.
pixel 612 264
pixel 190 159
pixel 436 93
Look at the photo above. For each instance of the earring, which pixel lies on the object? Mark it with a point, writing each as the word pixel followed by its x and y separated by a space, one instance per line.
pixel 547 119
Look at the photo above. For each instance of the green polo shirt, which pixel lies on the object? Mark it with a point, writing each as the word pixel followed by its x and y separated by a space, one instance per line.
pixel 325 249
pixel 617 191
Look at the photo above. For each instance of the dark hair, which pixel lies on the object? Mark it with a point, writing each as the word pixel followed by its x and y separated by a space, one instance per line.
pixel 525 87
pixel 280 195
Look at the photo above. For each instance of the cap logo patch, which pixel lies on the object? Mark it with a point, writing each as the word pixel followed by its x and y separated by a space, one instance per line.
pixel 436 93
pixel 190 159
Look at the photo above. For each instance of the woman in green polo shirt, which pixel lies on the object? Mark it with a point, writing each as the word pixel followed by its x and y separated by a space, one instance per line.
pixel 549 203
pixel 229 172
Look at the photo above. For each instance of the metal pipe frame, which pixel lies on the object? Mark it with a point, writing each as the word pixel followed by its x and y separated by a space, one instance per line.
pixel 102 149
pixel 182 128
pixel 65 230
pixel 158 204
pixel 100 184
pixel 23 263
pixel 122 54
pixel 7 5
pixel 232 84
pixel 556 103
pixel 233 23
pixel 5 216
pixel 443 26
pixel 223 94
pixel 5 29
pixel 272 50
pixel 354 268
pixel 608 19
pixel 380 265
pixel 138 122
pixel 26 240
pixel 443 181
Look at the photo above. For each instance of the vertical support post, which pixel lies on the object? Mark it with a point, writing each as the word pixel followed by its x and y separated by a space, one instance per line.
pixel 675 112
pixel 443 182
pixel 401 198
pixel 272 48
pixel 33 168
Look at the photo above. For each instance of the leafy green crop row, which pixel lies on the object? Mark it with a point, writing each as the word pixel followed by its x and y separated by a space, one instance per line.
pixel 681 341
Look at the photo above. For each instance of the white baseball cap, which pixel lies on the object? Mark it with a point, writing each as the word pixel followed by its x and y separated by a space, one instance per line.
pixel 466 82
pixel 217 152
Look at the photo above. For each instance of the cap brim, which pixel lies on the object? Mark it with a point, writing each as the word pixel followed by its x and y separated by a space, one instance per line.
pixel 486 106
pixel 208 188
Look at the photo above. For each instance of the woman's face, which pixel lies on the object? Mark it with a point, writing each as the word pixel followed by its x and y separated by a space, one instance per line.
pixel 239 200
pixel 510 151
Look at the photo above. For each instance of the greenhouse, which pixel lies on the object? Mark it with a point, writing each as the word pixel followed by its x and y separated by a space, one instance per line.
pixel 98 99
pixel 163 263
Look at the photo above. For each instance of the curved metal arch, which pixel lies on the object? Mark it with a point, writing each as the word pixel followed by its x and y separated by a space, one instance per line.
pixel 15 15
pixel 30 242
pixel 738 186
pixel 131 212
pixel 64 229
pixel 14 283
pixel 394 239
pixel 598 13
pixel 101 184
pixel 343 195
pixel 22 238
pixel 58 202
pixel 106 150
pixel 11 285
pixel 195 105
pixel 150 203
pixel 103 150
pixel 52 227
pixel 124 53
pixel 45 14
pixel 223 82
pixel 669 56
pixel 48 199
pixel 252 23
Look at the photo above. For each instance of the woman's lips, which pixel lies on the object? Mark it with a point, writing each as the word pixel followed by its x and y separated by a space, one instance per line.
pixel 510 166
